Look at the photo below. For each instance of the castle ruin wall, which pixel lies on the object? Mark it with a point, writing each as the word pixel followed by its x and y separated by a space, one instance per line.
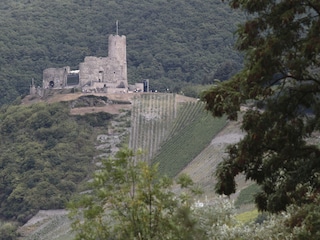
pixel 55 77
pixel 95 72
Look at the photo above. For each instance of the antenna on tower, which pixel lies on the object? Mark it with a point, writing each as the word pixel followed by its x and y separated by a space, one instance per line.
pixel 117 27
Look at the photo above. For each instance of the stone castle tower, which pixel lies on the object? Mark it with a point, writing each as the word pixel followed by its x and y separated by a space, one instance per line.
pixel 108 74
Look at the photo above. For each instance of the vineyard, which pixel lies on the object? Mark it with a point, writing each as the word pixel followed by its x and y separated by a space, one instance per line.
pixel 170 132
pixel 191 132
pixel 151 117
pixel 176 133
pixel 202 167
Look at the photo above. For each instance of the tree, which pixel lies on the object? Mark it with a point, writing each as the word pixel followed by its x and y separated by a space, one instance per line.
pixel 8 231
pixel 46 155
pixel 281 80
pixel 306 220
pixel 129 201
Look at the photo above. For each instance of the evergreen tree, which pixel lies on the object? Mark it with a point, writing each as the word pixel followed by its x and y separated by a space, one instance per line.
pixel 281 81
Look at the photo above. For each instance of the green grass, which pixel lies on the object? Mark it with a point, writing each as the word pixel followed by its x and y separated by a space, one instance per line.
pixel 248 216
pixel 246 195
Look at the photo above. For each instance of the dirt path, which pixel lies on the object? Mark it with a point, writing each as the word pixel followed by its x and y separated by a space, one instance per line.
pixel 112 108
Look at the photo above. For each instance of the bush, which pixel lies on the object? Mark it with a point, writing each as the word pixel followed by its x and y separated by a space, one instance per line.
pixel 8 231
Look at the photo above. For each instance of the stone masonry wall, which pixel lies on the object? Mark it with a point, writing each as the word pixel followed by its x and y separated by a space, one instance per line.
pixel 108 72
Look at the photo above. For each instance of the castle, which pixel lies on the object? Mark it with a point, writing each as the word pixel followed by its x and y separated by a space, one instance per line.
pixel 98 74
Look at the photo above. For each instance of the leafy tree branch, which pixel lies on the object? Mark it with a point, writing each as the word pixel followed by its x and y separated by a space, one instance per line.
pixel 281 79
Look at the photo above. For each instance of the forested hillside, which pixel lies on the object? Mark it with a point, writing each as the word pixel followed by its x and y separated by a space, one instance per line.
pixel 45 156
pixel 172 43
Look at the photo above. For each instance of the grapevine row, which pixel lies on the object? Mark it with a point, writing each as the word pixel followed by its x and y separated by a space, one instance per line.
pixel 183 147
pixel 151 116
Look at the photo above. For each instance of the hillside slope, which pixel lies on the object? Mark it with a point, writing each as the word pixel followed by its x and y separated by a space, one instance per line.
pixel 170 115
pixel 190 133
pixel 45 223
pixel 202 168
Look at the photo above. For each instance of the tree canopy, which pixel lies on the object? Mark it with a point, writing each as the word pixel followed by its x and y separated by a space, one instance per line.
pixel 171 43
pixel 280 81
pixel 45 156
pixel 130 201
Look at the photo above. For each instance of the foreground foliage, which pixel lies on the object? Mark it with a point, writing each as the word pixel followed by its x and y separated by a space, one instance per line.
pixel 129 201
pixel 8 231
pixel 281 81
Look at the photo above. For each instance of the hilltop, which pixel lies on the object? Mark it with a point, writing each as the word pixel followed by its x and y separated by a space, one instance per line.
pixel 174 44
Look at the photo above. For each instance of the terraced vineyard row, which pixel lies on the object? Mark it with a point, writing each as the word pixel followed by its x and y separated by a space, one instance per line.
pixel 203 166
pixel 151 117
pixel 187 112
pixel 170 133
pixel 191 132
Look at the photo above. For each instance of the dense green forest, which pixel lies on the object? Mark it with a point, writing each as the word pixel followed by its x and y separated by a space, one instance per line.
pixel 45 156
pixel 172 43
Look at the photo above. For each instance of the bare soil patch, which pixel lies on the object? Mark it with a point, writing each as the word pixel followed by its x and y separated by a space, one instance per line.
pixel 181 98
pixel 112 108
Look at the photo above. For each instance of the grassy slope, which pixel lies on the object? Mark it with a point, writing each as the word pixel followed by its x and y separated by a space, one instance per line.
pixel 53 225
pixel 247 216
pixel 201 169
